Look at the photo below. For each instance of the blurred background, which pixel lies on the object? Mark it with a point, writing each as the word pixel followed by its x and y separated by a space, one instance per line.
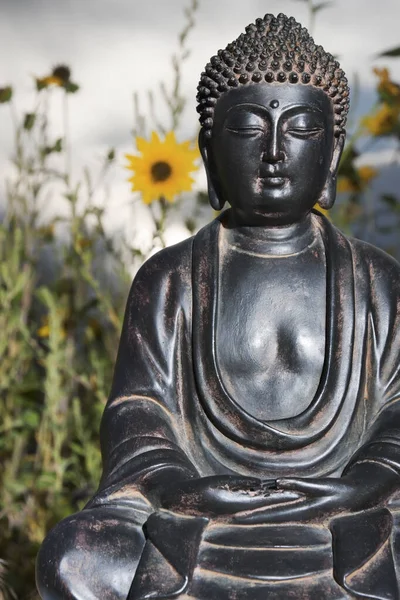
pixel 82 84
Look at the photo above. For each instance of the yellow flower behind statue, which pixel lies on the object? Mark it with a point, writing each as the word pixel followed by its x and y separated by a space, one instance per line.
pixel 383 121
pixel 323 211
pixel 389 90
pixel 60 76
pixel 358 182
pixel 162 168
pixel 49 80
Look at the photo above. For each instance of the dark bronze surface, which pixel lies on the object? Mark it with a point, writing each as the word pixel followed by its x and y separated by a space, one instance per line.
pixel 251 442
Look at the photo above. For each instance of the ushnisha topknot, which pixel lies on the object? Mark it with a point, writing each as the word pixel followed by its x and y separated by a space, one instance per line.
pixel 272 49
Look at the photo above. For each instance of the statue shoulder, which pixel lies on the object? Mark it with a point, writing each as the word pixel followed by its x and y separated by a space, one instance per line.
pixel 165 279
pixel 383 269
pixel 176 261
pixel 375 257
pixel 169 262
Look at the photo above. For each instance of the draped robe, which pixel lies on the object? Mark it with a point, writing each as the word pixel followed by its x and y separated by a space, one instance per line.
pixel 169 410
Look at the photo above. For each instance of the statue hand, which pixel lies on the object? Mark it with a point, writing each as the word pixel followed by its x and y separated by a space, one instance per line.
pixel 216 495
pixel 365 486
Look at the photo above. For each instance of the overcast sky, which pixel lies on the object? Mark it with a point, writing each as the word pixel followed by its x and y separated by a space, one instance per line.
pixel 117 46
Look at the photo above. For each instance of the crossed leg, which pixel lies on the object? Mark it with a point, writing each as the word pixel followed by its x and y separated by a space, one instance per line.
pixel 90 555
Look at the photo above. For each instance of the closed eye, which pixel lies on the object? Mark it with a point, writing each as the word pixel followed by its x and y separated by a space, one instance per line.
pixel 305 132
pixel 246 131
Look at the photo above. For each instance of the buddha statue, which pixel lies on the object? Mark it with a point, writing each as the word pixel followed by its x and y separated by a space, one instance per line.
pixel 251 442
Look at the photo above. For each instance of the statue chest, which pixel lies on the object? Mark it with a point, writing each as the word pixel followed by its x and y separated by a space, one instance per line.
pixel 270 330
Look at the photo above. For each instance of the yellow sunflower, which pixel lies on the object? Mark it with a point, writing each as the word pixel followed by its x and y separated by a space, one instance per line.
pixel 162 168
pixel 49 80
pixel 59 77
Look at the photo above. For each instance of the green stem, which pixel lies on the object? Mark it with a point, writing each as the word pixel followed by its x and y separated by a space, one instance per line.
pixel 67 150
pixel 17 136
pixel 160 223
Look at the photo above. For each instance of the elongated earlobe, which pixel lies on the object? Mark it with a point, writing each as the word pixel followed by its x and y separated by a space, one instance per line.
pixel 214 199
pixel 328 194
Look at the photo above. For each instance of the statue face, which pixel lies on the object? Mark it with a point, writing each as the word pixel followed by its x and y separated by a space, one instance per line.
pixel 271 150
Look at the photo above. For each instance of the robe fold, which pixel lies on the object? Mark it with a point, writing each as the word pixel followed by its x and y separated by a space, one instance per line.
pixel 170 411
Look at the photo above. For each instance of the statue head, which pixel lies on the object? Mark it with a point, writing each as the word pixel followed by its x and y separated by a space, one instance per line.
pixel 273 108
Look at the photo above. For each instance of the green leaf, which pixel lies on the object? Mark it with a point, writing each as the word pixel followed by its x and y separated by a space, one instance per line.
pixel 190 224
pixel 71 88
pixel 45 481
pixel 17 488
pixel 393 53
pixel 202 198
pixel 5 94
pixel 58 145
pixel 31 419
pixel 29 121
pixel 77 449
pixel 391 201
pixel 40 85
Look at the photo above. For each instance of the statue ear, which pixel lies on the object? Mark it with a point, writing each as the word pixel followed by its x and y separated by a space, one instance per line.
pixel 214 198
pixel 328 194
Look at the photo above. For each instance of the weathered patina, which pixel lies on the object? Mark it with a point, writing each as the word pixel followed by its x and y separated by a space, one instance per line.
pixel 251 442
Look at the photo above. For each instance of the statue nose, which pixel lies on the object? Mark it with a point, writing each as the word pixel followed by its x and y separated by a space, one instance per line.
pixel 273 157
pixel 273 152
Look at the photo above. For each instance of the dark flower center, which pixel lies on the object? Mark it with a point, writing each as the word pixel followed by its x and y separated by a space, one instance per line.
pixel 160 171
pixel 62 72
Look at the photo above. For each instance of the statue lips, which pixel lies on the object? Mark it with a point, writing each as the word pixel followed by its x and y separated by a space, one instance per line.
pixel 273 178
pixel 271 181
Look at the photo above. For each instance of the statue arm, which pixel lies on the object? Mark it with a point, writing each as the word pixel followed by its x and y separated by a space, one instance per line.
pixel 146 462
pixel 141 441
pixel 368 481
pixel 381 443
